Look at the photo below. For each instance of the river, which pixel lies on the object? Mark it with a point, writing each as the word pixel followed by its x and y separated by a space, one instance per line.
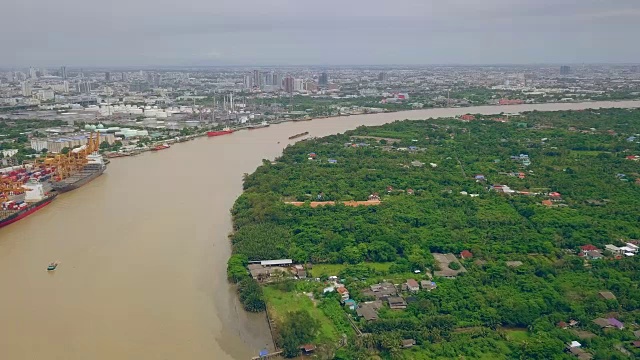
pixel 143 252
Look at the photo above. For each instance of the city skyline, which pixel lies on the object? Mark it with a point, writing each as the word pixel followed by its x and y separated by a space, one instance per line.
pixel 286 32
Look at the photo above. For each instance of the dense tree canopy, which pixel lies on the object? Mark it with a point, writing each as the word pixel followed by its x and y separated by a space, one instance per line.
pixel 436 181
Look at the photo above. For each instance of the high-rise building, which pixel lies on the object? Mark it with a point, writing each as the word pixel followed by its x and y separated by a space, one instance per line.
pixel 84 87
pixel 323 80
pixel 33 73
pixel 26 88
pixel 268 78
pixel 565 70
pixel 150 78
pixel 383 76
pixel 277 80
pixel 298 84
pixel 310 86
pixel 63 73
pixel 107 76
pixel 257 78
pixel 65 85
pixel 124 76
pixel 247 81
pixel 157 80
pixel 288 83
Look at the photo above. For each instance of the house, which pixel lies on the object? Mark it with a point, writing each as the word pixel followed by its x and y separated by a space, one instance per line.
pixel 369 310
pixel 579 353
pixel 351 304
pixel 374 196
pixel 259 272
pixel 607 295
pixel 410 192
pixel 344 293
pixel 555 196
pixel 635 344
pixel 637 333
pixel 587 247
pixel 547 203
pixel 301 274
pixel 417 163
pixel 607 323
pixel 603 323
pixel 466 254
pixel 467 117
pixel 397 303
pixel 408 343
pixel 412 285
pixel 593 255
pixel 332 161
pixel 428 285
pixel 575 344
pixel 614 249
pixel 381 291
pixel 307 348
pixel 479 177
pixel 513 264
pixel 616 323
pixel 562 325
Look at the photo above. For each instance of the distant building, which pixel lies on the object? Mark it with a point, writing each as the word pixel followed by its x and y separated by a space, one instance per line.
pixel 63 73
pixel 383 76
pixel 288 84
pixel 323 80
pixel 26 88
pixel 565 70
pixel 107 76
pixel 257 78
pixel 247 81
pixel 298 84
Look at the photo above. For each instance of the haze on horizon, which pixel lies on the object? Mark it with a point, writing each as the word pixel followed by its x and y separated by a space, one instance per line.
pixel 330 32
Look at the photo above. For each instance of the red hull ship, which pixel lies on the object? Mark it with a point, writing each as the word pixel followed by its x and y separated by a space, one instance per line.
pixel 219 133
pixel 11 218
pixel 25 205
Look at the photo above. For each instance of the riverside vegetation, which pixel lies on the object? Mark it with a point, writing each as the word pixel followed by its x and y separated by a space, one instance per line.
pixel 425 173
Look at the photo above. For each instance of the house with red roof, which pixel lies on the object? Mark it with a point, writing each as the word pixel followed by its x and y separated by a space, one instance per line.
pixel 466 254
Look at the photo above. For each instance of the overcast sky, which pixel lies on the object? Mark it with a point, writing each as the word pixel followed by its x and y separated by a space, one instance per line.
pixel 322 32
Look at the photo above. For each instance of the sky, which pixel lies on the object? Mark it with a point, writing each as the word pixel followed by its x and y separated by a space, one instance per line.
pixel 317 32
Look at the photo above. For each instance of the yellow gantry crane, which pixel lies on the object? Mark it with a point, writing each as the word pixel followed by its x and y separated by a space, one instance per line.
pixel 67 164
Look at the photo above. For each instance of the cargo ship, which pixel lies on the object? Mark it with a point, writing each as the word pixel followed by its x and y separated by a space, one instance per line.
pixel 94 168
pixel 224 131
pixel 298 135
pixel 21 206
pixel 161 147
pixel 263 124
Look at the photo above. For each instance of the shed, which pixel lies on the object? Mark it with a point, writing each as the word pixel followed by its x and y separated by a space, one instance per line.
pixel 407 343
pixel 607 295
pixel 279 262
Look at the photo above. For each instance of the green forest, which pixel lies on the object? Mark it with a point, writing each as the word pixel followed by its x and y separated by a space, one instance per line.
pixel 531 188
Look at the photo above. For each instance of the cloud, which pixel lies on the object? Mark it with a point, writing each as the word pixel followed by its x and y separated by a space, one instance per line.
pixel 162 32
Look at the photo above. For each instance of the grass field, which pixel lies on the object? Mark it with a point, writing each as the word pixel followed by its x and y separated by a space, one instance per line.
pixel 517 335
pixel 280 303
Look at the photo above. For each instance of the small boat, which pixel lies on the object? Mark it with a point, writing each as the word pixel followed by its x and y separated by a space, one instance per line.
pixel 52 266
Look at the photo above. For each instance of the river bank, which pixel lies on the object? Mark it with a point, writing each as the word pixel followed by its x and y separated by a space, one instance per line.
pixel 143 251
